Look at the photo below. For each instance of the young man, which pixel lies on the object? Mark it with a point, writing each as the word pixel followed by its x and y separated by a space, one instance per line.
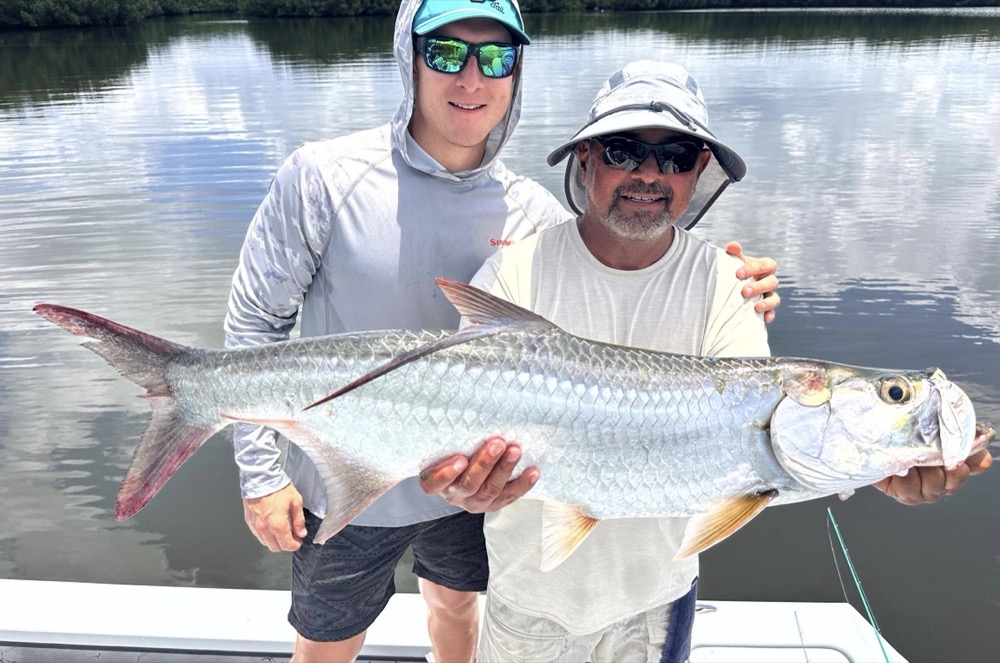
pixel 350 237
pixel 625 272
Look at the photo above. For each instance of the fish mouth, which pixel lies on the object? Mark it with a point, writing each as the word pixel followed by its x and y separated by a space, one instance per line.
pixel 956 420
pixel 988 433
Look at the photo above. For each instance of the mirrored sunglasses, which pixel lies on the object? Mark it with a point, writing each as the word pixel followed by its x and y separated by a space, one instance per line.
pixel 449 56
pixel 678 156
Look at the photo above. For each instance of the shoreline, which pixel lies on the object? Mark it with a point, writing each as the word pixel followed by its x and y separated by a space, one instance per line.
pixel 34 15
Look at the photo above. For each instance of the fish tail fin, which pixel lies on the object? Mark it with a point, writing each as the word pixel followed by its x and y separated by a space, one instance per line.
pixel 142 358
pixel 139 356
pixel 166 444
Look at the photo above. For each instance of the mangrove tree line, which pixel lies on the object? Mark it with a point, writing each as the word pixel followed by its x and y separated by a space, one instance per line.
pixel 28 14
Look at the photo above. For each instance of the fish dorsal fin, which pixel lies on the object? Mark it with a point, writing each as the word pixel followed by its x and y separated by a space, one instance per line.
pixel 486 314
pixel 564 528
pixel 480 308
pixel 705 530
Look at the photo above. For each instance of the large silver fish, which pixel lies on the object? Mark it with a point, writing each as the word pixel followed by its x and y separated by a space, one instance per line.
pixel 616 432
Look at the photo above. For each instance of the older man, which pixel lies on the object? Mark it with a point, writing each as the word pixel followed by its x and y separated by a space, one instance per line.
pixel 642 170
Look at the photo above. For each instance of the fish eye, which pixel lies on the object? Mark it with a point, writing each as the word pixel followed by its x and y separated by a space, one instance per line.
pixel 895 390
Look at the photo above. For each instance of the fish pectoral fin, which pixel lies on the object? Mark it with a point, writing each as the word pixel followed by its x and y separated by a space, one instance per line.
pixel 351 485
pixel 564 528
pixel 707 529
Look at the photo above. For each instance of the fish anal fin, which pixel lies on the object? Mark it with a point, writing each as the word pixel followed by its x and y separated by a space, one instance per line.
pixel 707 529
pixel 345 501
pixel 351 485
pixel 564 528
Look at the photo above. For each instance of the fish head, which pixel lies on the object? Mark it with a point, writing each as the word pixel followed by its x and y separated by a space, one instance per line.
pixel 839 428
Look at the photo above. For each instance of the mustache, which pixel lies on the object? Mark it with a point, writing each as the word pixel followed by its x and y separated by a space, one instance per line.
pixel 642 189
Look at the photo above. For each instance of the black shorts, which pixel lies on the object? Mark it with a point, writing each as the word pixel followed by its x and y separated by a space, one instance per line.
pixel 340 587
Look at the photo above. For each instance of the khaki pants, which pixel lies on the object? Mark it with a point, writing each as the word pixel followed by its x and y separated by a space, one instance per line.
pixel 510 636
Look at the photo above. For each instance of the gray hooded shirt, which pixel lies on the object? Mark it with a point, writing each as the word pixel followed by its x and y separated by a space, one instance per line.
pixel 350 237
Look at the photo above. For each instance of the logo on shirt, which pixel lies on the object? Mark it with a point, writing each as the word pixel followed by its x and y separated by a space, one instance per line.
pixel 500 242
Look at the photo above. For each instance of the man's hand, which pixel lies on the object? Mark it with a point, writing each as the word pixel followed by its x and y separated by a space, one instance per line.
pixel 482 483
pixel 277 520
pixel 766 284
pixel 926 485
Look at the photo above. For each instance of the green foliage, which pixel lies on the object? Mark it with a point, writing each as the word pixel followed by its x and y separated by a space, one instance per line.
pixel 314 8
pixel 531 6
pixel 55 13
pixel 72 13
pixel 38 13
pixel 177 7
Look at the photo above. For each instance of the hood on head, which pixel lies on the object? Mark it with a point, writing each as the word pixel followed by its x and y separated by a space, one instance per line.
pixel 431 19
pixel 662 95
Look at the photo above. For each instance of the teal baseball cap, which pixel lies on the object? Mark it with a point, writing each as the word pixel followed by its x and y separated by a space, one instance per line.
pixel 435 13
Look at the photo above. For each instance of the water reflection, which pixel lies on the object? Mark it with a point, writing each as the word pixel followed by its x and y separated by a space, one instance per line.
pixel 311 43
pixel 133 159
pixel 915 564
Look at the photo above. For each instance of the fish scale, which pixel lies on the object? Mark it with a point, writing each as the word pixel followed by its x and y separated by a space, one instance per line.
pixel 616 432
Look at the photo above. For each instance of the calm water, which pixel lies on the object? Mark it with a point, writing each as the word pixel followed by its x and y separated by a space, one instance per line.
pixel 132 160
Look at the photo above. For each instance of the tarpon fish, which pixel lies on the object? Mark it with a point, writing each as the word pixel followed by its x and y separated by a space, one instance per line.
pixel 616 432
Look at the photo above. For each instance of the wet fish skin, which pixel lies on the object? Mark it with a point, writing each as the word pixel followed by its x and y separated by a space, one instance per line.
pixel 616 432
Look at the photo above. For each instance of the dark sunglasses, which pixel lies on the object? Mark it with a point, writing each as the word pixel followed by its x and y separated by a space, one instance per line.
pixel 449 56
pixel 677 156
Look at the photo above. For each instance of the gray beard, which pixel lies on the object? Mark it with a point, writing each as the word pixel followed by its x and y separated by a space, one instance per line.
pixel 638 227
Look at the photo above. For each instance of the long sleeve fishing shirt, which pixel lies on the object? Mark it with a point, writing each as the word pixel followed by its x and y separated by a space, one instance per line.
pixel 350 237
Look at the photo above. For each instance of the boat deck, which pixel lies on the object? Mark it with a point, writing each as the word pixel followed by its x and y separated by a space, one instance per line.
pixel 57 622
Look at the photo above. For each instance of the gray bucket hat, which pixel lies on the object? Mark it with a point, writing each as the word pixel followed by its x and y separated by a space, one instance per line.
pixel 663 95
